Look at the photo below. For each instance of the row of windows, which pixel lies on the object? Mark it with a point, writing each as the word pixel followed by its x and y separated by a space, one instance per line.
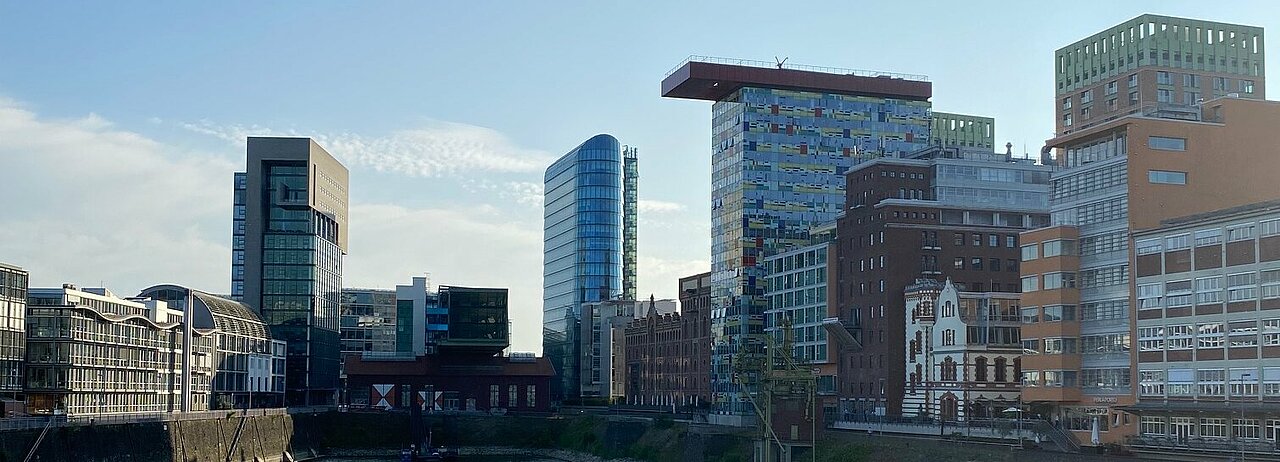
pixel 1238 287
pixel 1208 237
pixel 1208 427
pixel 1209 382
pixel 1236 334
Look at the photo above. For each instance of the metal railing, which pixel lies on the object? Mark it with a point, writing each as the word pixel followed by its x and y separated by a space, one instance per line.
pixel 796 67
pixel 27 423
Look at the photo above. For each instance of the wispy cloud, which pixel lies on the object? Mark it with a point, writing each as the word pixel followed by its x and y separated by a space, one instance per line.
pixel 105 205
pixel 656 206
pixel 434 150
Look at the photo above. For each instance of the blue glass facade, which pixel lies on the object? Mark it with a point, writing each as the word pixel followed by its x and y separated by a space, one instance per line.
pixel 582 248
pixel 778 164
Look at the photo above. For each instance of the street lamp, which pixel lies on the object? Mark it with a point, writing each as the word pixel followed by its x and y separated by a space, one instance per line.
pixel 1018 410
pixel 1243 381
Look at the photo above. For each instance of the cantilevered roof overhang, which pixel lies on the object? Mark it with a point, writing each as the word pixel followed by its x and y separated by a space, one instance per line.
pixel 714 81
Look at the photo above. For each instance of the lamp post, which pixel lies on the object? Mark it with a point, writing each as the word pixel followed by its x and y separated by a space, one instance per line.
pixel 1018 410
pixel 1243 380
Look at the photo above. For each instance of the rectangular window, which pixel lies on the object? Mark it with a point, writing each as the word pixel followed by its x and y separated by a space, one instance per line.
pixel 1240 233
pixel 959 239
pixel 977 240
pixel 1086 97
pixel 1060 313
pixel 1011 241
pixel 1166 143
pixel 1244 382
pixel 1166 177
pixel 1246 86
pixel 1270 228
pixel 1209 290
pixel 1211 382
pixel 1179 242
pixel 532 399
pixel 1148 246
pixel 976 263
pixel 1133 97
pixel 1133 80
pixel 1164 96
pixel 959 263
pixel 993 240
pixel 1030 283
pixel 1030 252
pixel 1181 382
pixel 1213 428
pixel 1066 103
pixel 1151 383
pixel 1150 296
pixel 1209 335
pixel 1030 315
pixel 1191 80
pixel 1059 247
pixel 1112 88
pixel 1059 281
pixel 1163 78
pixel 1208 237
pixel 1270 281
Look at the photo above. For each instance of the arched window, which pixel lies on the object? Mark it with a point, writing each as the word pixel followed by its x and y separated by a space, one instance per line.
pixel 1002 374
pixel 980 369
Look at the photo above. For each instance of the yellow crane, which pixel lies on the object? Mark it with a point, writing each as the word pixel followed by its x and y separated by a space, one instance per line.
pixel 767 372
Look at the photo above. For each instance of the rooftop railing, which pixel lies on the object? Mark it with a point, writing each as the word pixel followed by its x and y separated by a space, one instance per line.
pixel 796 67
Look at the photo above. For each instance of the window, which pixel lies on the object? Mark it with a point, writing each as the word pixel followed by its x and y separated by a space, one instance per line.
pixel 1163 78
pixel 1209 335
pixel 493 396
pixel 1066 103
pixel 1030 378
pixel 1148 246
pixel 1270 284
pixel 1246 86
pixel 959 239
pixel 1208 237
pixel 1133 97
pixel 1179 242
pixel 1177 293
pixel 1181 382
pixel 977 240
pixel 1133 80
pixel 948 337
pixel 1244 428
pixel 1166 143
pixel 1060 313
pixel 1059 247
pixel 1209 290
pixel 1240 233
pixel 1244 382
pixel 1011 241
pixel 1059 281
pixel 993 264
pixel 1164 96
pixel 1030 283
pixel 1270 228
pixel 958 263
pixel 512 396
pixel 1213 428
pixel 1030 315
pixel 1149 296
pixel 1066 120
pixel 1210 382
pixel 1151 383
pixel 1151 339
pixel 1190 80
pixel 976 263
pixel 1154 426
pixel 1057 346
pixel 1166 177
pixel 1086 97
pixel 993 240
pixel 1179 337
pixel 1112 88
pixel 1010 265
pixel 532 399
pixel 1030 252
pixel 1219 83
pixel 1190 98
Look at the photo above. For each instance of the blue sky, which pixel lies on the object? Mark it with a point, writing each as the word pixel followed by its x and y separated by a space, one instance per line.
pixel 127 118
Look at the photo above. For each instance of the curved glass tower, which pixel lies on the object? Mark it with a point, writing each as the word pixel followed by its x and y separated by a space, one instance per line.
pixel 584 215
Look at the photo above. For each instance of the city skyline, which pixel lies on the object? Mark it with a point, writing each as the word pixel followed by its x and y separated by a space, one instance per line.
pixel 427 170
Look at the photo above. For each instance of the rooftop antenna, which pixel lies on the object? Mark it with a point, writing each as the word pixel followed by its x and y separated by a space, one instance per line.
pixel 783 61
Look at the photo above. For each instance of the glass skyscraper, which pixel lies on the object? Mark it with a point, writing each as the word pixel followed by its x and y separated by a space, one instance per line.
pixel 294 234
pixel 589 229
pixel 782 142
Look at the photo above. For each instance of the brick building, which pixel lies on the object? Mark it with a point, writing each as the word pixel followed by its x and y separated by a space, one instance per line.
pixel 667 356
pixel 940 213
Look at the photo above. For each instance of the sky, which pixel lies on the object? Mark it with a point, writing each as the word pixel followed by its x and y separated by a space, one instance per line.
pixel 121 123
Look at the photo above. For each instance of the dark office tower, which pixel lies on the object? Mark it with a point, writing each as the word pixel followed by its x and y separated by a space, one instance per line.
pixel 13 337
pixel 295 234
pixel 782 139
pixel 585 240
pixel 1156 66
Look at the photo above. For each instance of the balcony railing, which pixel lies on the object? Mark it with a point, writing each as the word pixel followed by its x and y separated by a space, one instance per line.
pixel 797 67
